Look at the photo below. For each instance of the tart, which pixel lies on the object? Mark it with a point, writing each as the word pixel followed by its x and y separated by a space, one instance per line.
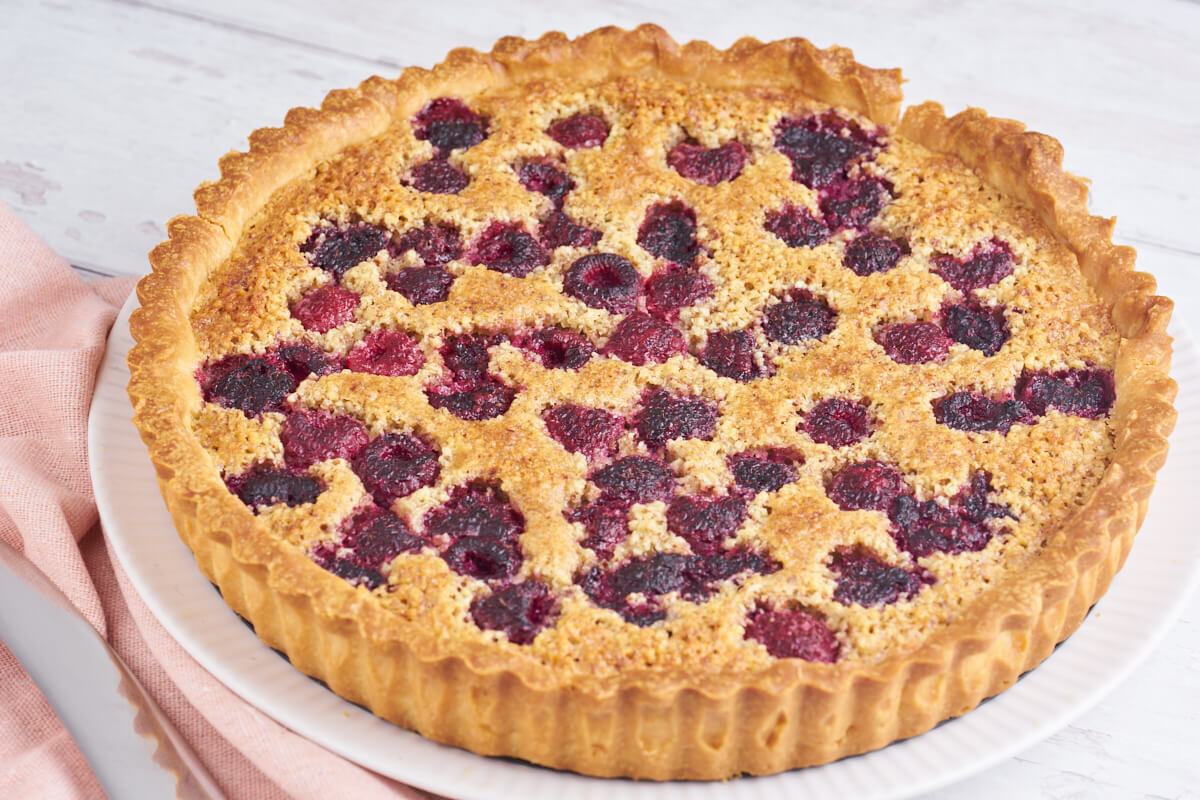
pixel 652 410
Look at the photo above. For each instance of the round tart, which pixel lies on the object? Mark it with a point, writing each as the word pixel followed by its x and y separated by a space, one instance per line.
pixel 653 410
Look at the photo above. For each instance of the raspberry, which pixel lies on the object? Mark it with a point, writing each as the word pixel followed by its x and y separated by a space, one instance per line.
pixel 312 436
pixel 982 329
pixel 337 249
pixel 422 286
pixel 972 501
pixel 605 281
pixel 669 231
pixel 487 400
pixel 731 355
pixel 377 536
pixel 386 352
pixel 925 528
pixel 483 559
pixel 476 511
pixel 793 633
pixel 266 485
pixel 866 579
pixel 557 347
pixel 520 611
pixel 914 342
pixel 796 226
pixel 395 465
pixel 867 485
pixel 434 244
pixel 641 339
pixel 673 288
pixel 449 124
pixel 466 356
pixel 590 431
pixel 506 247
pixel 545 178
pixel 989 263
pixel 854 204
pixel 967 411
pixel 872 252
pixel 766 472
pixel 665 416
pixel 820 147
pixel 559 230
pixel 635 479
pixel 438 177
pixel 302 360
pixel 838 422
pixel 605 523
pixel 251 384
pixel 1087 393
pixel 708 167
pixel 326 556
pixel 325 308
pixel 705 522
pixel 799 317
pixel 579 131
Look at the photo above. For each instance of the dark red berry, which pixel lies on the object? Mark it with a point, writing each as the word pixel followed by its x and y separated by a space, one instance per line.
pixel 1088 393
pixel 821 147
pixel 925 528
pixel 669 231
pixel 967 411
pixel 520 611
pixel 479 511
pixel 867 485
pixel 506 247
pixel 866 579
pixel 590 431
pixel 854 204
pixel 325 308
pixel 982 329
pixel 665 416
pixel 989 263
pixel 312 436
pixel 449 124
pixel 376 536
pixel 603 280
pixel 302 360
pixel 337 249
pixel 579 131
pixel 386 352
pixel 914 342
pixel 557 347
pixel 838 422
pixel 708 167
pixel 635 479
pixel 396 465
pixel 559 230
pixel 266 485
pixel 605 523
pixel 486 400
pixel 871 253
pixel 793 633
pixel 675 287
pixel 251 384
pixel 972 501
pixel 732 354
pixel 545 178
pixel 798 318
pixel 769 471
pixel 434 244
pixel 705 522
pixel 327 555
pixel 641 339
pixel 466 356
pixel 796 226
pixel 483 559
pixel 438 177
pixel 422 286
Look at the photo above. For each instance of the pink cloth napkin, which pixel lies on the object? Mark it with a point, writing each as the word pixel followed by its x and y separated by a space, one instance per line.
pixel 52 332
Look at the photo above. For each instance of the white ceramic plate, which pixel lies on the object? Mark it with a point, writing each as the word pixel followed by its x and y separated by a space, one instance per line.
pixel 1145 599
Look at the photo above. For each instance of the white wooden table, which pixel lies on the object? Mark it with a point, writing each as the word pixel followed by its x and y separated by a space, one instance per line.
pixel 111 111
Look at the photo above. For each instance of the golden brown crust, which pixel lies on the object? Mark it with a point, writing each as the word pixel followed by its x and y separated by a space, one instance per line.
pixel 666 724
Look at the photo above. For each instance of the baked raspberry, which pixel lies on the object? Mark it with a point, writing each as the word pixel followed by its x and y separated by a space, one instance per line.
pixel 669 231
pixel 793 633
pixel 337 249
pixel 449 124
pixel 853 204
pixel 385 352
pixel 731 354
pixel 312 436
pixel 483 559
pixel 434 244
pixel 302 360
pixel 989 263
pixel 590 431
pixel 866 579
pixel 579 131
pixel 675 287
pixel 559 230
pixel 635 479
pixel 606 524
pixel 520 610
pixel 641 339
pixel 796 226
pixel 867 485
pixel 914 342
pixel 506 247
pixel 872 252
pixel 982 329
pixel 925 528
pixel 799 317
pixel 705 522
pixel 395 465
pixel 266 485
pixel 438 177
pixel 486 400
pixel 821 147
pixel 251 384
pixel 545 178
pixel 664 416
pixel 466 356
pixel 422 286
pixel 376 536
pixel 1088 393
pixel 972 501
pixel 476 510
pixel 603 280
pixel 557 347
pixel 968 411
pixel 766 471
pixel 838 422
pixel 709 167
pixel 325 308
